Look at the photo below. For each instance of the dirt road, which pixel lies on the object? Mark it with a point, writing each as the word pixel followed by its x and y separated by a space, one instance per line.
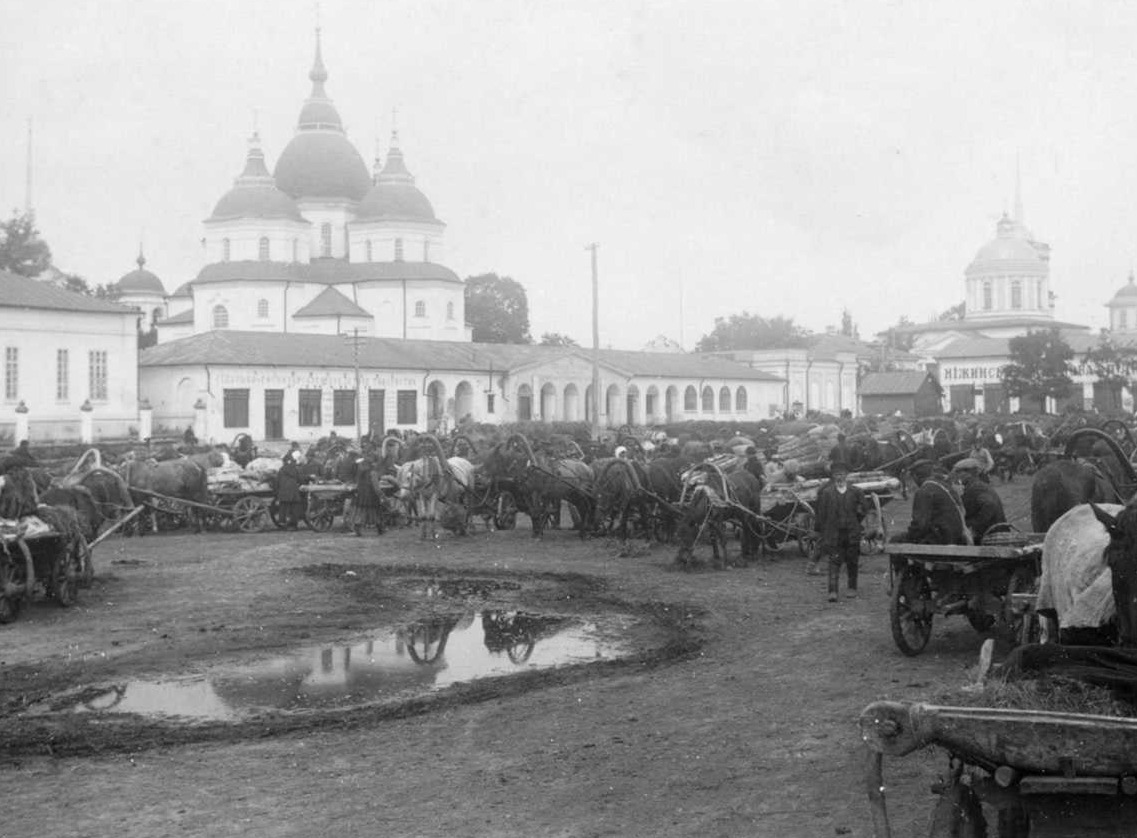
pixel 732 713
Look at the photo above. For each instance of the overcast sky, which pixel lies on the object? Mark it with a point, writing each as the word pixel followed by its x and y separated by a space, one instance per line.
pixel 784 158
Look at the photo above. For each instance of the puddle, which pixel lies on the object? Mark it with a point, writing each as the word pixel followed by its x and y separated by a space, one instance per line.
pixel 415 659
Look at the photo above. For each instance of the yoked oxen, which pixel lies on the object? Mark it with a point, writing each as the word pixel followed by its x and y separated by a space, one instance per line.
pixel 181 479
pixel 712 500
pixel 1088 584
pixel 432 478
pixel 1095 470
pixel 541 483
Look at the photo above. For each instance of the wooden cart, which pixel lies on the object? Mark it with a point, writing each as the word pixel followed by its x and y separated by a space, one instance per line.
pixel 987 584
pixel 36 560
pixel 1045 774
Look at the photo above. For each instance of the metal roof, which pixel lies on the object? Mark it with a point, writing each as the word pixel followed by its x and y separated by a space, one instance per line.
pixel 276 349
pixel 324 270
pixel 892 383
pixel 22 292
pixel 329 303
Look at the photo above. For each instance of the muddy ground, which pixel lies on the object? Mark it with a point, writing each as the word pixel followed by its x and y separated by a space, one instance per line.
pixel 733 712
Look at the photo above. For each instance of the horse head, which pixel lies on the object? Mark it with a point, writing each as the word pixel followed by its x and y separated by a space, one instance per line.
pixel 1121 559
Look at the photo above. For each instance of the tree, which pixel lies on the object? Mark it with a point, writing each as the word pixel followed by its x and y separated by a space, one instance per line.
pixel 22 251
pixel 751 331
pixel 1113 366
pixel 956 312
pixel 497 308
pixel 1039 366
pixel 557 339
pixel 895 338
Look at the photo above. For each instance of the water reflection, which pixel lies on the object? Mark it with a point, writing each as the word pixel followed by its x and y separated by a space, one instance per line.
pixel 416 658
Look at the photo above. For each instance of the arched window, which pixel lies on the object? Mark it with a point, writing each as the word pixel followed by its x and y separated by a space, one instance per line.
pixel 262 249
pixel 225 250
pixel 987 296
pixel 369 254
pixel 325 239
pixel 450 311
pixel 724 400
pixel 690 399
pixel 262 309
pixel 398 250
pixel 1016 294
pixel 420 308
pixel 220 317
pixel 708 400
pixel 741 400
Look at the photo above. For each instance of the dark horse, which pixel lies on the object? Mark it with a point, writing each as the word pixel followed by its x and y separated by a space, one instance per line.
pixel 712 503
pixel 542 482
pixel 1095 471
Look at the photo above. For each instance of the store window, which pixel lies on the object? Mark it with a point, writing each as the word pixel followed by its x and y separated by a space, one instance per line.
pixel 309 409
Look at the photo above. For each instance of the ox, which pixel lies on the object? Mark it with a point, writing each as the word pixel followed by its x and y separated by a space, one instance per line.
pixel 712 504
pixel 1089 575
pixel 177 479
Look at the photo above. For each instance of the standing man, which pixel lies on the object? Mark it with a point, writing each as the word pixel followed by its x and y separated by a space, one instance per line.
pixel 288 496
pixel 840 508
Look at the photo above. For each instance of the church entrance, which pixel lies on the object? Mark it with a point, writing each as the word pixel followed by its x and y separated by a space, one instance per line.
pixel 274 414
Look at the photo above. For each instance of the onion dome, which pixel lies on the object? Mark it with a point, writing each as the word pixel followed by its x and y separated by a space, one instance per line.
pixel 394 195
pixel 319 161
pixel 140 281
pixel 1010 250
pixel 1127 292
pixel 254 193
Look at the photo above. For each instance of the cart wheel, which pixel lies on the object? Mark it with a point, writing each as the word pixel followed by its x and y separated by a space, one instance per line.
pixel 249 514
pixel 910 611
pixel 320 517
pixel 1022 626
pixel 807 542
pixel 65 576
pixel 958 814
pixel 506 517
pixel 9 605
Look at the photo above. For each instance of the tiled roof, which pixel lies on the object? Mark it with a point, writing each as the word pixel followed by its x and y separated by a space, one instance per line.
pixel 329 303
pixel 276 349
pixel 891 383
pixel 327 271
pixel 21 292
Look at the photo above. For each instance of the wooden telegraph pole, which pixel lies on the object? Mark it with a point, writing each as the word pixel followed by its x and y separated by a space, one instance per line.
pixel 595 346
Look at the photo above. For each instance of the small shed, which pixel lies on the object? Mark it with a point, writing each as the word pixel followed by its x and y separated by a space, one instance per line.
pixel 911 393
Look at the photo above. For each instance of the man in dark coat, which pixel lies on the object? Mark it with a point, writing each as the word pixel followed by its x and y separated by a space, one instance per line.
pixel 982 507
pixel 937 511
pixel 368 510
pixel 21 457
pixel 291 504
pixel 840 508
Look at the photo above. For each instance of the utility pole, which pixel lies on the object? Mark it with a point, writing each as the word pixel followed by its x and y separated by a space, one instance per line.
pixel 595 345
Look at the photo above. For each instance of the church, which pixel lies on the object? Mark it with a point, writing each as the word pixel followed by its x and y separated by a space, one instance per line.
pixel 324 304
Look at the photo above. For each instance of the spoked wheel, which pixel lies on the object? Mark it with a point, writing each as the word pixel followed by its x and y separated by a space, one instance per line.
pixel 1022 625
pixel 9 602
pixel 320 516
pixel 86 564
pixel 807 542
pixel 250 515
pixel 65 576
pixel 506 516
pixel 910 611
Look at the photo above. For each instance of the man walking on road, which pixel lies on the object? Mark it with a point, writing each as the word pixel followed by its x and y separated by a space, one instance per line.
pixel 840 508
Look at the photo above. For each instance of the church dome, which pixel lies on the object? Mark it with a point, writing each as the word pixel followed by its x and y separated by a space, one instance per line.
pixel 1127 293
pixel 254 193
pixel 394 195
pixel 140 281
pixel 320 161
pixel 1009 250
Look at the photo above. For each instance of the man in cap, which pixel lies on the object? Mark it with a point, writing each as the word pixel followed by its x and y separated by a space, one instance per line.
pixel 840 508
pixel 982 508
pixel 937 511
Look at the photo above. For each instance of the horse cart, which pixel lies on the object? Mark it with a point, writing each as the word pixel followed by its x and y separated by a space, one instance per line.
pixel 239 509
pixel 1044 774
pixel 986 583
pixel 325 501
pixel 39 558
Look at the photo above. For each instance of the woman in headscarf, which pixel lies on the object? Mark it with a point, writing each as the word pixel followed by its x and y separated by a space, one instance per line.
pixel 368 498
pixel 291 503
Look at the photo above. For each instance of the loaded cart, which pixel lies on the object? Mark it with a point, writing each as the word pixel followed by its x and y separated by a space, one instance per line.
pixel 986 583
pixel 38 559
pixel 1045 774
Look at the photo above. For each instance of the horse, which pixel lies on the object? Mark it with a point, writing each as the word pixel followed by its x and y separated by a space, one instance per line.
pixel 712 503
pixel 434 478
pixel 619 495
pixel 1088 584
pixel 1103 475
pixel 180 479
pixel 542 483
